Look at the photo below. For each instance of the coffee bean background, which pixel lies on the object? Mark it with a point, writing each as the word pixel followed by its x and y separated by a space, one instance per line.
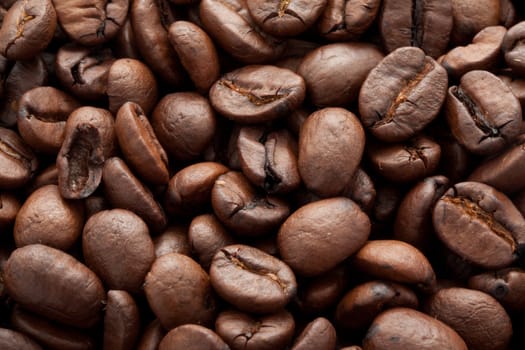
pixel 245 174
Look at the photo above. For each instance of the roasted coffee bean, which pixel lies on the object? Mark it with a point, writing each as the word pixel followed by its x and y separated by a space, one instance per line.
pixel 257 93
pixel 137 197
pixel 269 159
pixel 395 329
pixel 23 76
pixel 27 29
pixel 196 52
pixel 173 240
pixel 178 291
pixel 42 115
pixel 17 162
pixel 395 261
pixel 424 24
pixel 192 337
pixel 483 53
pixel 9 207
pixel 242 331
pixel 506 285
pixel 151 336
pixel 184 123
pixel 517 85
pixel 207 236
pixel 55 285
pixel 285 18
pixel 242 209
pixel 150 20
pixel 232 27
pixel 130 80
pixel 89 139
pixel 84 71
pixel 402 94
pixel 320 235
pixel 251 279
pixel 12 340
pixel 358 308
pixel 121 321
pixel 118 248
pixel 409 161
pixel 361 190
pixel 471 16
pixel 480 224
pixel 347 19
pixel 513 49
pixel 477 317
pixel 321 70
pixel 50 334
pixel 189 190
pixel 47 218
pixel 413 222
pixel 318 334
pixel 125 44
pixel 140 145
pixel 331 145
pixel 91 22
pixel 482 113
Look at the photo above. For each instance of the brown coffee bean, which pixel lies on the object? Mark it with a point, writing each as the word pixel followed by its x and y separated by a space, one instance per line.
pixel 506 285
pixel 318 334
pixel 42 115
pixel 269 158
pixel 251 279
pixel 9 207
pixel 84 71
pixel 130 80
pixel 91 22
pixel 140 145
pixel 27 29
pixel 151 336
pixel 137 197
pixel 413 222
pixel 196 52
pixel 232 27
pixel 125 42
pixel 409 161
pixel 320 235
pixel 477 317
pixel 89 139
pixel 47 218
pixel 482 113
pixel 321 68
pixel 402 328
pixel 50 334
pixel 121 321
pixel 402 94
pixel 12 340
pixel 347 19
pixel 244 332
pixel 358 308
pixel 17 162
pixel 257 93
pixel 207 236
pixel 55 285
pixel 361 190
pixel 483 53
pixel 189 190
pixel 178 291
pixel 331 144
pixel 117 247
pixel 242 209
pixel 192 337
pixel 480 224
pixel 285 18
pixel 395 261
pixel 471 16
pixel 184 123
pixel 423 24
pixel 173 240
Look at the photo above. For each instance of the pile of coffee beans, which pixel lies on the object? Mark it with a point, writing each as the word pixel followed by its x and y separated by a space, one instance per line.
pixel 262 175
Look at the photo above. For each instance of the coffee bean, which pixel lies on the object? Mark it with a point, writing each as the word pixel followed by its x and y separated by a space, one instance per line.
pixel 192 337
pixel 474 212
pixel 151 336
pixel 318 334
pixel 17 162
pixel 471 16
pixel 55 285
pixel 121 321
pixel 173 240
pixel 239 273
pixel 506 286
